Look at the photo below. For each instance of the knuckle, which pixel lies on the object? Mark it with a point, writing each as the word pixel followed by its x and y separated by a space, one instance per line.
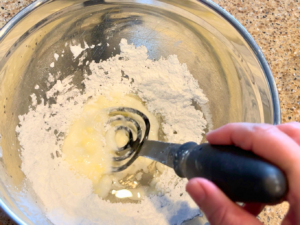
pixel 291 125
pixel 265 128
pixel 231 126
pixel 297 124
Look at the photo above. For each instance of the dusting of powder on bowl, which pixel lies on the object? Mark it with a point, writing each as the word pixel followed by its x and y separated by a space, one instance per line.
pixel 165 86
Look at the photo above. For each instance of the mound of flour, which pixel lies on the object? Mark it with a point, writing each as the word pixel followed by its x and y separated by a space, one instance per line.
pixel 168 89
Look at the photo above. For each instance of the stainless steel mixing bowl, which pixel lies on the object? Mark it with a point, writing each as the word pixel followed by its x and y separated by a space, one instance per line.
pixel 218 51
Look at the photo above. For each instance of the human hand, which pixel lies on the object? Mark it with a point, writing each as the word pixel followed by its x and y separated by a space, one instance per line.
pixel 279 144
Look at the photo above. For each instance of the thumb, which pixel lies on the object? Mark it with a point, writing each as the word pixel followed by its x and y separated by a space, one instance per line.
pixel 217 207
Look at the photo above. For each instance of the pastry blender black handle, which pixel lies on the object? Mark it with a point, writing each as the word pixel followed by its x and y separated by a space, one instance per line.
pixel 240 174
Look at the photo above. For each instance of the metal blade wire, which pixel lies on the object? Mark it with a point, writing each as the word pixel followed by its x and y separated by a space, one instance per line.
pixel 132 147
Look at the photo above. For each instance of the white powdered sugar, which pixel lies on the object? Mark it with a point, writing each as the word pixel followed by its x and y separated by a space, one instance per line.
pixel 77 49
pixel 167 88
pixel 56 56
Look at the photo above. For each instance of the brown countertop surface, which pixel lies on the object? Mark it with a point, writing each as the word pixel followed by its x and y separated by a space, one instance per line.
pixel 275 26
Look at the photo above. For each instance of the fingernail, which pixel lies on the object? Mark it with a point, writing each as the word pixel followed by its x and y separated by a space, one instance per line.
pixel 209 133
pixel 195 190
pixel 200 190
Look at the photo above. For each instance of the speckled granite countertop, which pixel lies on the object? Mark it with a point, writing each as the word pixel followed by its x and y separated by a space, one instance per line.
pixel 275 26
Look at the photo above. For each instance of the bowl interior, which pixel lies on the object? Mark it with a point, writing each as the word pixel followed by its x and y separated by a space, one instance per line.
pixel 217 55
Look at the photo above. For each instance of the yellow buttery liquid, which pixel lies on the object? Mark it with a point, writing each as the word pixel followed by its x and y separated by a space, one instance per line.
pixel 88 148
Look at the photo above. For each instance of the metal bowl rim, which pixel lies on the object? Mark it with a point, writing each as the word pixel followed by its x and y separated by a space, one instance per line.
pixel 226 15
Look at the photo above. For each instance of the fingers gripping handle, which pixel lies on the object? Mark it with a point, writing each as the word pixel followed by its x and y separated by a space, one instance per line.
pixel 240 174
